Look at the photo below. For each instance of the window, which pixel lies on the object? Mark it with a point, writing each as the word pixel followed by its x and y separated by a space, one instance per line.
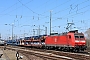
pixel 69 36
pixel 81 36
pixel 76 36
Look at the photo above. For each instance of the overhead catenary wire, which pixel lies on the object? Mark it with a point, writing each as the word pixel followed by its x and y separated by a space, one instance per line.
pixel 65 16
pixel 16 8
pixel 71 7
pixel 78 12
pixel 30 9
pixel 68 0
pixel 57 6
pixel 71 14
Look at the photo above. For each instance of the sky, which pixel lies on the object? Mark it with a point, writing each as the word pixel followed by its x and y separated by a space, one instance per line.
pixel 22 16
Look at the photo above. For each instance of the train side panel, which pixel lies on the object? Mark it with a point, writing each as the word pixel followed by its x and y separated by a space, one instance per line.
pixel 51 40
pixel 62 40
pixel 57 40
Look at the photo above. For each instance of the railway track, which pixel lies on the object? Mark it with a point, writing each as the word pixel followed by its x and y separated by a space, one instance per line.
pixel 42 55
pixel 50 54
pixel 7 58
pixel 76 56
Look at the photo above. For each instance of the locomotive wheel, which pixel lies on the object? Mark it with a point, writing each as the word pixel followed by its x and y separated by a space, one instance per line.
pixel 76 50
pixel 47 48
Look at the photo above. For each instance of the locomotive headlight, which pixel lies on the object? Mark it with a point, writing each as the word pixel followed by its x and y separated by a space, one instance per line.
pixel 83 41
pixel 76 41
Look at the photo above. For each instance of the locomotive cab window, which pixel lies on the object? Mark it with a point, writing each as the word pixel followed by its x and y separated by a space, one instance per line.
pixel 76 36
pixel 69 36
pixel 81 36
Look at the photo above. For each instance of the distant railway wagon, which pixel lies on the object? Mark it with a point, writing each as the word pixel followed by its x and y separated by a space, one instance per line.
pixel 68 41
pixel 2 42
pixel 12 42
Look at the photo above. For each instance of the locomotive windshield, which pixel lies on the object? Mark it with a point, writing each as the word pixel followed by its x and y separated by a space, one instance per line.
pixel 79 36
pixel 76 36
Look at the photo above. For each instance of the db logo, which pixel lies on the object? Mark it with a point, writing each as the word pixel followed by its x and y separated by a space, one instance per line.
pixel 55 39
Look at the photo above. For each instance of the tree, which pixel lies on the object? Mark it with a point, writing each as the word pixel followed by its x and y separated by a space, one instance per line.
pixel 88 34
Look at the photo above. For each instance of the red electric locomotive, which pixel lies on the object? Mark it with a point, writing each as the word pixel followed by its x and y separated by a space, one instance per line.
pixel 71 41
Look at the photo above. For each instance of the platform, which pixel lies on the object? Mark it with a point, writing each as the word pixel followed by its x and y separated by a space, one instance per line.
pixel 2 55
pixel 10 55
